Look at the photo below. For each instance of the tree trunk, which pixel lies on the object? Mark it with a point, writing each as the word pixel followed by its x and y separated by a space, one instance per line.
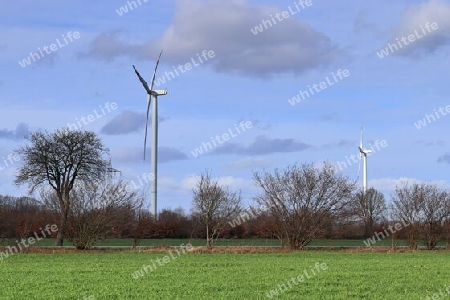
pixel 412 241
pixel 208 240
pixel 431 242
pixel 369 228
pixel 61 231
pixel 62 228
pixel 59 239
pixel 295 243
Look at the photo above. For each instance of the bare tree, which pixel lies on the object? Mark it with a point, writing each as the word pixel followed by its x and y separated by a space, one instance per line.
pixel 425 207
pixel 435 212
pixel 215 206
pixel 368 208
pixel 302 200
pixel 96 209
pixel 60 159
pixel 406 207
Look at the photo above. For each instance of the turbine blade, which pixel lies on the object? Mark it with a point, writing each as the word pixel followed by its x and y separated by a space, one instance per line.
pixel 361 153
pixel 144 83
pixel 154 73
pixel 359 166
pixel 361 141
pixel 149 100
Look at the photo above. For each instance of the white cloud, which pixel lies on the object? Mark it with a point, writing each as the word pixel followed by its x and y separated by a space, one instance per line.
pixel 248 163
pixel 418 15
pixel 235 183
pixel 290 46
pixel 387 185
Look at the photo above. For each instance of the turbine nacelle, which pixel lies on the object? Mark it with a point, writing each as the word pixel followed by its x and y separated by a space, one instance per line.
pixel 156 93
pixel 364 151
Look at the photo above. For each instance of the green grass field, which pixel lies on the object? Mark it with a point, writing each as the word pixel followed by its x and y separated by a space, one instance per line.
pixel 359 275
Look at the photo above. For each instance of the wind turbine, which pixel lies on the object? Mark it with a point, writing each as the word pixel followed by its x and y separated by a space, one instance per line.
pixel 154 150
pixel 363 155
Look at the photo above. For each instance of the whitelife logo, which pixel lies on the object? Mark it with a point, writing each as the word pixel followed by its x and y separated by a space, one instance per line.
pixel 384 234
pixel 169 75
pixel 206 146
pixel 293 281
pixel 35 56
pixel 31 240
pixel 322 85
pixel 161 262
pixel 391 48
pixel 12 158
pixel 105 109
pixel 432 118
pixel 341 165
pixel 130 5
pixel 265 24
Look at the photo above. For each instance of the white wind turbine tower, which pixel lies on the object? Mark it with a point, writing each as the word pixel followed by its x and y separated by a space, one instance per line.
pixel 154 149
pixel 363 154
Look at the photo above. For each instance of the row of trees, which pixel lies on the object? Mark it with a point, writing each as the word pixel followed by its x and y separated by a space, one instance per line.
pixel 304 202
pixel 93 217
pixel 296 204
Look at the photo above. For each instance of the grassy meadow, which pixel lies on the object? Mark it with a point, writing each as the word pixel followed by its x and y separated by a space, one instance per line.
pixel 349 275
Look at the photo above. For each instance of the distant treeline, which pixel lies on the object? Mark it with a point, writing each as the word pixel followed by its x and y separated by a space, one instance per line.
pixel 23 216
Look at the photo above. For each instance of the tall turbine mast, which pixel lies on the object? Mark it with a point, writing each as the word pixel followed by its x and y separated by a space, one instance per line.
pixel 154 150
pixel 363 153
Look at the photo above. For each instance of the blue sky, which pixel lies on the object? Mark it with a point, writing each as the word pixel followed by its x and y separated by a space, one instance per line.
pixel 250 78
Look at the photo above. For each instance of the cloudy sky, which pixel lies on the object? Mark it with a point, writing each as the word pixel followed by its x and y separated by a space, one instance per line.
pixel 287 82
